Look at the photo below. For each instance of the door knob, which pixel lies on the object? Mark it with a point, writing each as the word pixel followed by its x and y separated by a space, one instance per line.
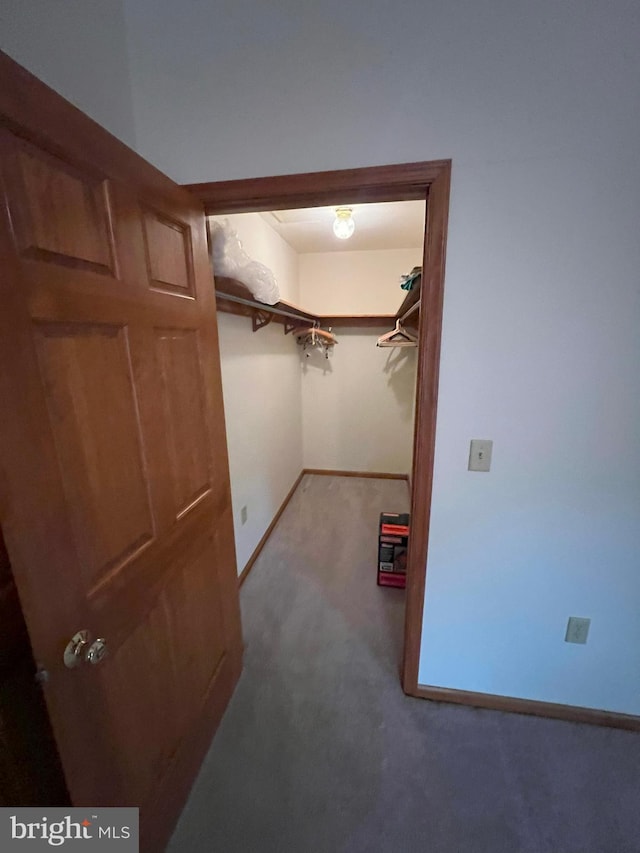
pixel 81 649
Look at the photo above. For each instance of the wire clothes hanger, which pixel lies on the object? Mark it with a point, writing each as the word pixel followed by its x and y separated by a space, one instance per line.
pixel 398 337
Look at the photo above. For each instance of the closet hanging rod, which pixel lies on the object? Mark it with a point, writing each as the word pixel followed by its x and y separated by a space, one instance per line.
pixel 268 309
pixel 410 311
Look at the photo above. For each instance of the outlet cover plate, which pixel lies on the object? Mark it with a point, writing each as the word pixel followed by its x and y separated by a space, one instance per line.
pixel 577 630
pixel 480 454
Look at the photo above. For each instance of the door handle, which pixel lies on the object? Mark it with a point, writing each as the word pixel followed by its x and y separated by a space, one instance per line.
pixel 82 649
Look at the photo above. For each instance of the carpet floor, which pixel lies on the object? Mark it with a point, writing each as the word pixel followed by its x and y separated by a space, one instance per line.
pixel 320 751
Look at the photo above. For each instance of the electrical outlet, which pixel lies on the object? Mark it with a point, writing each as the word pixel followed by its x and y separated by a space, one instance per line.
pixel 243 515
pixel 577 630
pixel 480 454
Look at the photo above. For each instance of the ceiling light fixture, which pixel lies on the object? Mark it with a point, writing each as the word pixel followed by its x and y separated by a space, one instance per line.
pixel 343 224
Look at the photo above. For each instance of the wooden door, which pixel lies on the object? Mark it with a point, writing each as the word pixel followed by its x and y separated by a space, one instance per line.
pixel 114 484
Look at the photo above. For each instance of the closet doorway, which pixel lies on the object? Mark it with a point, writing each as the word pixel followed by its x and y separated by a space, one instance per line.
pixel 428 181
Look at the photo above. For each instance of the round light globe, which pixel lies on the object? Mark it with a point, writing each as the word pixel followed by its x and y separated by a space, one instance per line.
pixel 343 225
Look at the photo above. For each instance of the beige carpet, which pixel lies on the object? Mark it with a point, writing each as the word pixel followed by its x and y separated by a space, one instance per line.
pixel 320 751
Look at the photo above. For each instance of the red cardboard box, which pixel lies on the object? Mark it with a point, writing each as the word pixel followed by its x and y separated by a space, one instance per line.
pixel 393 542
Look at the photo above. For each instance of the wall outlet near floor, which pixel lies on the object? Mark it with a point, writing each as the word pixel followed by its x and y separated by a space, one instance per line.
pixel 577 630
pixel 243 515
pixel 480 454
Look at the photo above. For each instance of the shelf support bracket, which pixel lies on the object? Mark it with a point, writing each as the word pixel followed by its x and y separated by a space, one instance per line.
pixel 260 319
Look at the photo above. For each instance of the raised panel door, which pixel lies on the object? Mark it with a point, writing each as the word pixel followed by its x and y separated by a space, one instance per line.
pixel 115 497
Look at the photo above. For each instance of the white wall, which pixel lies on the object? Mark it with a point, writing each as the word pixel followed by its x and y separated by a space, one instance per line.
pixel 540 353
pixel 79 48
pixel 537 106
pixel 334 85
pixel 355 282
pixel 262 396
pixel 358 404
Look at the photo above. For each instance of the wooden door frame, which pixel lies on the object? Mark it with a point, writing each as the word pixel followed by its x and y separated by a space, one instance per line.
pixel 429 180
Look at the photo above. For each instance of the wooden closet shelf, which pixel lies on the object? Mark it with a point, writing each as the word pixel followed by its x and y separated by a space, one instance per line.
pixel 358 321
pixel 233 297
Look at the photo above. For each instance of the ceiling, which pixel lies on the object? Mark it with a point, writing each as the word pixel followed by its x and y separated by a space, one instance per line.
pixel 386 225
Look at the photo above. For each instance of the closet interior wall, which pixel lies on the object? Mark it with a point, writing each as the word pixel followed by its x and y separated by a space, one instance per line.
pixel 286 411
pixel 262 396
pixel 358 413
